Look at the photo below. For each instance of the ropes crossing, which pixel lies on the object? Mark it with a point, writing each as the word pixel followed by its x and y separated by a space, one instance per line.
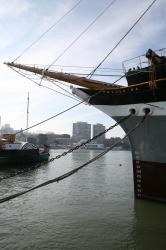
pixel 80 35
pixel 10 197
pixel 92 73
pixel 44 85
pixel 86 100
pixel 62 112
pixel 52 26
pixel 21 171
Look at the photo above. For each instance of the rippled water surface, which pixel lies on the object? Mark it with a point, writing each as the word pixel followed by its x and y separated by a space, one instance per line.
pixel 94 209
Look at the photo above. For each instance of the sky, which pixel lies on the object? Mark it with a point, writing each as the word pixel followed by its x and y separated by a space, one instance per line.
pixel 23 21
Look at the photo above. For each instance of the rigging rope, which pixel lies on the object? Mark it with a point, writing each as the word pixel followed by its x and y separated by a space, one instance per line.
pixel 85 74
pixel 74 66
pixel 53 81
pixel 98 92
pixel 60 113
pixel 44 85
pixel 78 37
pixel 52 26
pixel 93 71
pixel 57 179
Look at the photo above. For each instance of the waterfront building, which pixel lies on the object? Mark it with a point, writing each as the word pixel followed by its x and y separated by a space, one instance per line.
pixel 81 130
pixel 96 129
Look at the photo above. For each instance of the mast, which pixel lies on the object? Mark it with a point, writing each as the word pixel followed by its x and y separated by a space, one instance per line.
pixel 80 81
pixel 27 122
pixel 27 110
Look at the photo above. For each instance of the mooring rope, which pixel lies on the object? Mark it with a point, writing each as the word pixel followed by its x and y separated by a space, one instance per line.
pixel 59 178
pixel 21 171
pixel 62 112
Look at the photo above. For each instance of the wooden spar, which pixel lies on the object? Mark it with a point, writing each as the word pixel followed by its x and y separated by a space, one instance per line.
pixel 80 81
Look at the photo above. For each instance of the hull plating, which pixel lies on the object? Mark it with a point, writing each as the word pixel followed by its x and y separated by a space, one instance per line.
pixel 148 142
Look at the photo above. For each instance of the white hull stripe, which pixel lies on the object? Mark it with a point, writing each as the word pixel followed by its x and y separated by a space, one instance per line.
pixel 156 109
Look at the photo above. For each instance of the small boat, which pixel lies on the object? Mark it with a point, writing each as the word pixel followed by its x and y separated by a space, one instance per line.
pixel 145 96
pixel 95 146
pixel 15 152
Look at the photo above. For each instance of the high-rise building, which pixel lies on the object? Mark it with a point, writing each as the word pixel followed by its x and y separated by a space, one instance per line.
pixel 98 128
pixel 81 130
pixel 6 129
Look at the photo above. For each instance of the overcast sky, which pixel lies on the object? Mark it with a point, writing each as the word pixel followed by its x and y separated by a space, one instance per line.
pixel 23 21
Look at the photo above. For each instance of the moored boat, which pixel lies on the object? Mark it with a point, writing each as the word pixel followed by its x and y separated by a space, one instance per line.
pixel 94 146
pixel 145 95
pixel 16 152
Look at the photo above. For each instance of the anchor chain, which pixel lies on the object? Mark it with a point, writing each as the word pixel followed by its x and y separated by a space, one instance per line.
pixel 21 171
pixel 89 140
pixel 59 178
pixel 64 153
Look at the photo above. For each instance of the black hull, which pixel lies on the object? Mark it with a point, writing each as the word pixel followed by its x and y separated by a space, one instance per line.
pixel 148 142
pixel 150 180
pixel 131 95
pixel 21 157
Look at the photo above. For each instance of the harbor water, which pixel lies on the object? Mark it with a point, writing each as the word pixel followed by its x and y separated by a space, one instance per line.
pixel 93 209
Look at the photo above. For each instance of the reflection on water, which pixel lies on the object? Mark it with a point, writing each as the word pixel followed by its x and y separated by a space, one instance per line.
pixel 93 209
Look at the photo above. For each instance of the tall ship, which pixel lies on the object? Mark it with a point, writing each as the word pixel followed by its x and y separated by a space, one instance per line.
pixel 145 95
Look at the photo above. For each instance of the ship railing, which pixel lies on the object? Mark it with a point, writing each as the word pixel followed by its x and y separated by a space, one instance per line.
pixel 139 62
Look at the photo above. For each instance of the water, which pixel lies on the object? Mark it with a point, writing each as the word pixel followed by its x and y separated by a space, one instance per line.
pixel 93 209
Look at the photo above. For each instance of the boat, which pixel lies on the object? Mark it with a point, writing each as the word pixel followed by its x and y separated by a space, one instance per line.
pixel 145 95
pixel 95 146
pixel 13 152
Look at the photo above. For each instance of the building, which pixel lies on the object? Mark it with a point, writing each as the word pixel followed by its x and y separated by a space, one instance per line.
pixel 6 128
pixel 81 130
pixel 59 140
pixel 98 128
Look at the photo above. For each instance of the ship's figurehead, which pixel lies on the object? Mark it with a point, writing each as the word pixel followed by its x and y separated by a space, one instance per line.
pixel 155 69
pixel 155 58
